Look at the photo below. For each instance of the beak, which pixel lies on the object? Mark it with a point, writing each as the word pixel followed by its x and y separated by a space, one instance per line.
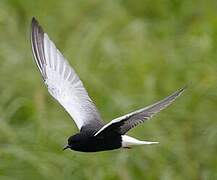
pixel 66 147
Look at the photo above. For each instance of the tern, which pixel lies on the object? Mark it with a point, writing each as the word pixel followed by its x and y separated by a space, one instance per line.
pixel 65 86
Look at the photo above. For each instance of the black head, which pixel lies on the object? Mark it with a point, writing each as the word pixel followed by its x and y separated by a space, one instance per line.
pixel 74 142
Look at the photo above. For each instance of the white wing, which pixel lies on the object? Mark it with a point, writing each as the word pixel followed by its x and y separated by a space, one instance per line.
pixel 62 81
pixel 124 123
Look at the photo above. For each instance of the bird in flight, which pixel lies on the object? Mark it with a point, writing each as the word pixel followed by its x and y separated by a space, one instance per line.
pixel 65 86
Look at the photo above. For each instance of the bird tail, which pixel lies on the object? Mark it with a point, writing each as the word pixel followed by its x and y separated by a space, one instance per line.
pixel 128 142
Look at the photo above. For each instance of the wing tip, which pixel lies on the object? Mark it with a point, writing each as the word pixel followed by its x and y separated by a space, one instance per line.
pixel 34 23
pixel 182 89
pixel 35 26
pixel 34 20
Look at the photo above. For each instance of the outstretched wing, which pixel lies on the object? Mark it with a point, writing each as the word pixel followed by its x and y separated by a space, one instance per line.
pixel 124 123
pixel 62 81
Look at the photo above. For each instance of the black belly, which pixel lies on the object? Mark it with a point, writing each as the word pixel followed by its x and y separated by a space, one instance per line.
pixel 94 144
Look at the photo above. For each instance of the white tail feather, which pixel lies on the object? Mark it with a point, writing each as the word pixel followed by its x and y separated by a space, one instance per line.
pixel 128 141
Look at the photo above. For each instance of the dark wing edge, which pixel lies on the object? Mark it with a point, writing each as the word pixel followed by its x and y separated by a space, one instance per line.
pixel 37 36
pixel 148 112
pixel 124 123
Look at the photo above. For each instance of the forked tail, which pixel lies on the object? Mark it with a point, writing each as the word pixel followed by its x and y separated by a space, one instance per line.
pixel 128 142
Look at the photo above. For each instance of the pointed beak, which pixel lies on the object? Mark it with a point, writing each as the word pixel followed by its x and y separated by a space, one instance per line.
pixel 66 147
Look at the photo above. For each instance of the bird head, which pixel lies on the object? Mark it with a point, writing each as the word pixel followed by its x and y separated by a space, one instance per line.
pixel 73 142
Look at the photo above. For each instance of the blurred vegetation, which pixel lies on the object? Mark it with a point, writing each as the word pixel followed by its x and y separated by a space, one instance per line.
pixel 128 54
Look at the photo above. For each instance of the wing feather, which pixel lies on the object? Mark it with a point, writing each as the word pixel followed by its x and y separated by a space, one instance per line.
pixel 62 81
pixel 124 123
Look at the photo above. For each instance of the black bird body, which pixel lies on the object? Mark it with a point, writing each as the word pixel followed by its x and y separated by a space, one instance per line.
pixel 65 86
pixel 87 142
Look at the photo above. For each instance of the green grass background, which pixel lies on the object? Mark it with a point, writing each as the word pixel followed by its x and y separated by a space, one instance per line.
pixel 128 54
